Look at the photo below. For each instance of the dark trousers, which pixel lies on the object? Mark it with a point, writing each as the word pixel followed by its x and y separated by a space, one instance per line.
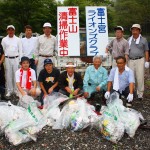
pixel 97 99
pixel 42 94
pixel 124 93
pixel 2 80
pixel 32 64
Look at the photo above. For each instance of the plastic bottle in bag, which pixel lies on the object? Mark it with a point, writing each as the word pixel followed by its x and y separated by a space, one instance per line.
pixel 71 95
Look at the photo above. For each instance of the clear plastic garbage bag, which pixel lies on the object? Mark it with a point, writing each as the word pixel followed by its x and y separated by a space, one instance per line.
pixel 8 113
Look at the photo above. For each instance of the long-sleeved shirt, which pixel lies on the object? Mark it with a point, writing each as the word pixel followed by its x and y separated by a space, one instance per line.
pixel 29 45
pixel 95 77
pixel 46 45
pixel 12 46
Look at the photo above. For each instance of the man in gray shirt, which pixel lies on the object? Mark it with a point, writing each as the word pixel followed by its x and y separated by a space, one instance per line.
pixel 119 45
pixel 138 56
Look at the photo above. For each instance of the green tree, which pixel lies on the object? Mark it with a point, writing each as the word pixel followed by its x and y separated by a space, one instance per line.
pixel 128 12
pixel 83 3
pixel 23 12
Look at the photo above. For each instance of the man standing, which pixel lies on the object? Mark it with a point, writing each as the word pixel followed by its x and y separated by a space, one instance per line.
pixel 138 56
pixel 119 45
pixel 46 46
pixel 29 45
pixel 13 52
pixel 121 79
pixel 2 74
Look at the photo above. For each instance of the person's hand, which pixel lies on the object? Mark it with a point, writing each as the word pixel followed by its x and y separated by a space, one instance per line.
pixel 105 55
pixel 86 94
pixel 45 95
pixel 68 90
pixel 130 97
pixel 50 90
pixel 98 88
pixel 146 64
pixel 107 94
pixel 33 92
pixel 36 62
pixel 75 92
pixel 24 93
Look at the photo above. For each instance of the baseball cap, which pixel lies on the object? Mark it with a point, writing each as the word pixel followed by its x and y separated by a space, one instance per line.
pixel 136 26
pixel 47 61
pixel 47 24
pixel 10 26
pixel 24 58
pixel 119 28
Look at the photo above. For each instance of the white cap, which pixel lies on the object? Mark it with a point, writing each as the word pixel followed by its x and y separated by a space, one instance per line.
pixel 119 28
pixel 10 26
pixel 136 26
pixel 47 24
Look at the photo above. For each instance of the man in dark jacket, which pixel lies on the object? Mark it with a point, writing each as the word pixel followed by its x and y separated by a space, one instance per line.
pixel 70 82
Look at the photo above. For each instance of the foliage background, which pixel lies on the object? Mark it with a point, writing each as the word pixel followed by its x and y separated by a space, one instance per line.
pixel 36 12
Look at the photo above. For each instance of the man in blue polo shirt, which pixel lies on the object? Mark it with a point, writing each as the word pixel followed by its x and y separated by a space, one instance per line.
pixel 122 80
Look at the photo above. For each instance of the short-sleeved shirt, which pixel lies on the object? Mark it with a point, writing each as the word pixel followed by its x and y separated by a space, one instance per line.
pixel 125 78
pixel 49 79
pixel 119 47
pixel 138 50
pixel 24 77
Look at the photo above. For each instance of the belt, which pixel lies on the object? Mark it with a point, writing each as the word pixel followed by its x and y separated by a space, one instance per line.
pixel 11 57
pixel 46 55
pixel 136 58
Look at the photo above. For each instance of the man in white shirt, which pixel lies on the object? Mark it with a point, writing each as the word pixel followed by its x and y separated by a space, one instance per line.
pixel 13 52
pixel 47 44
pixel 29 45
pixel 26 79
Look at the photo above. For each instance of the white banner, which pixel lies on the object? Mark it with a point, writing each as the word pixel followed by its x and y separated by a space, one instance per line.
pixel 96 30
pixel 68 31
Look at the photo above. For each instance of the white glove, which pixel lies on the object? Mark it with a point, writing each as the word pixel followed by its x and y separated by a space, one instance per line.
pixel 146 64
pixel 130 97
pixel 105 55
pixel 107 94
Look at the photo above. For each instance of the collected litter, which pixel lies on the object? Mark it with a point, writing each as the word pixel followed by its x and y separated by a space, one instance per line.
pixel 21 123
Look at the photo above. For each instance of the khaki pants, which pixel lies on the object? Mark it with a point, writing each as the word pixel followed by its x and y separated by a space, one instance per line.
pixel 138 68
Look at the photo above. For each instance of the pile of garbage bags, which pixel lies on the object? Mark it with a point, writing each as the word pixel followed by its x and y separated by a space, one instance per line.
pixel 21 123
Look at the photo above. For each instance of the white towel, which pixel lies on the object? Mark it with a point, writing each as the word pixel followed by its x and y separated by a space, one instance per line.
pixel 116 78
pixel 137 40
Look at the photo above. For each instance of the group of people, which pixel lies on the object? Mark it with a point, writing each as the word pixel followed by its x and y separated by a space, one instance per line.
pixel 34 55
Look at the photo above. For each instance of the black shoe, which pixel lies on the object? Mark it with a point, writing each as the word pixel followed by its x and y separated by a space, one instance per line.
pixel 3 97
pixel 143 122
pixel 129 104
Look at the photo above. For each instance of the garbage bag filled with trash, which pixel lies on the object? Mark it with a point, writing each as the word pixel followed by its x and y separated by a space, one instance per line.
pixel 117 119
pixel 76 115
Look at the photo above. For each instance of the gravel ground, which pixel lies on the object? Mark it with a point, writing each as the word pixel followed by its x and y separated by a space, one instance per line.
pixel 90 139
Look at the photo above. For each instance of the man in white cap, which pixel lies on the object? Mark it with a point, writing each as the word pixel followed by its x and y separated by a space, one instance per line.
pixel 13 53
pixel 138 57
pixel 46 46
pixel 118 46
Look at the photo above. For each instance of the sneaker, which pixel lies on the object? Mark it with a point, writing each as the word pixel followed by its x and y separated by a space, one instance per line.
pixel 8 94
pixel 129 104
pixel 40 107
